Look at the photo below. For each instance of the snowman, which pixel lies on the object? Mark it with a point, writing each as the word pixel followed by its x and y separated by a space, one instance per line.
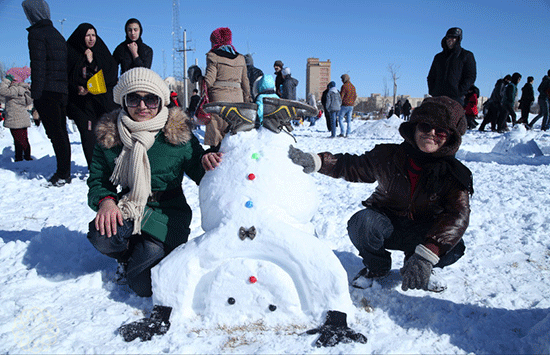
pixel 258 259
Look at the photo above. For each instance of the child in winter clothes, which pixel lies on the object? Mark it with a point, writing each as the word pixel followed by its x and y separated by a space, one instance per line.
pixel 334 102
pixel 265 88
pixel 18 98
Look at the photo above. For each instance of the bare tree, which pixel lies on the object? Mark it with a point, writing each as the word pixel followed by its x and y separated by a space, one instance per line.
pixel 394 71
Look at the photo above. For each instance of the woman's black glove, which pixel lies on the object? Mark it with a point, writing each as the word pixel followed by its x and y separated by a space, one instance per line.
pixel 335 330
pixel 310 162
pixel 418 268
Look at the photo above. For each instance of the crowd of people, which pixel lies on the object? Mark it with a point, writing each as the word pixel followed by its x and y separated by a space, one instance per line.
pixel 138 143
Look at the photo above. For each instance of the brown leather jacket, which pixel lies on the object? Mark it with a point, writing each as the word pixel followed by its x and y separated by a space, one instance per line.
pixel 449 209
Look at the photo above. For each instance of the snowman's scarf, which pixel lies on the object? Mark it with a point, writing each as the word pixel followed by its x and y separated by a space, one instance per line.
pixel 132 167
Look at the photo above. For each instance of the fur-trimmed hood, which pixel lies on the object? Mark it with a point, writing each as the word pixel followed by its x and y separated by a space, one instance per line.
pixel 177 130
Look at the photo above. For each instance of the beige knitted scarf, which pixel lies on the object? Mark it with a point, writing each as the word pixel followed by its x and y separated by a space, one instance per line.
pixel 132 167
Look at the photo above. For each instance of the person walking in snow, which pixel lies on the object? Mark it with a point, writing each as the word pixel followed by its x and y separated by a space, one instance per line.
pixel 334 104
pixel 145 149
pixel 49 84
pixel 289 85
pixel 133 53
pixel 509 100
pixel 543 90
pixel 18 98
pixel 453 70
pixel 421 203
pixel 348 94
pixel 226 79
pixel 526 100
pixel 492 107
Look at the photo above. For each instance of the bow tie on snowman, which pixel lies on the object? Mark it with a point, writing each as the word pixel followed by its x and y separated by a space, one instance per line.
pixel 258 260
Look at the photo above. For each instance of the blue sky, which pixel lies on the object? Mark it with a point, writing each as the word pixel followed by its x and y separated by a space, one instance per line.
pixel 360 37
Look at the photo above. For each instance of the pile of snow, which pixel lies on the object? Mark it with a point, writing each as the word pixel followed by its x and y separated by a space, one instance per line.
pixel 518 142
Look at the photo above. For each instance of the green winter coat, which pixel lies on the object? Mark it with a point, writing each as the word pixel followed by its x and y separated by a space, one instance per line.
pixel 176 152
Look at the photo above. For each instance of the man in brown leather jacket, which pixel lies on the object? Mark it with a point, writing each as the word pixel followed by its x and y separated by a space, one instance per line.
pixel 421 203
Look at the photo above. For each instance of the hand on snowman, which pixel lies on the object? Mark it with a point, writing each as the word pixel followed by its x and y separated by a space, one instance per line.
pixel 211 160
pixel 311 162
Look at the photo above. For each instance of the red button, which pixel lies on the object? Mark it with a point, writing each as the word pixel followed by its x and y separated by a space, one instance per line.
pixel 251 176
pixel 252 279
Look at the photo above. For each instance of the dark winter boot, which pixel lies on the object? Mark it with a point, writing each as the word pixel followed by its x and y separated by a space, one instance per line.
pixel 158 323
pixel 336 330
pixel 278 113
pixel 241 116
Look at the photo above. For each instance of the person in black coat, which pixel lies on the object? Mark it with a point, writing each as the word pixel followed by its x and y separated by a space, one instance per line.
pixel 253 74
pixel 325 110
pixel 407 107
pixel 527 98
pixel 279 79
pixel 493 107
pixel 49 86
pixel 453 70
pixel 88 54
pixel 133 53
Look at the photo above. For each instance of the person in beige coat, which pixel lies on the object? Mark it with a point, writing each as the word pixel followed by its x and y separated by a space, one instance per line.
pixel 18 99
pixel 226 80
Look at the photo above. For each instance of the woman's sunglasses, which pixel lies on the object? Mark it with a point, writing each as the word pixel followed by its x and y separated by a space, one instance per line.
pixel 426 127
pixel 133 100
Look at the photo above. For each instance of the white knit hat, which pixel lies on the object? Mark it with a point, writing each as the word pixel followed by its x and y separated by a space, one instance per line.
pixel 141 79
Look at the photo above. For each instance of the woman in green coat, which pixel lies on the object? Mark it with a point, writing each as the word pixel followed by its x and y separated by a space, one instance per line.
pixel 143 151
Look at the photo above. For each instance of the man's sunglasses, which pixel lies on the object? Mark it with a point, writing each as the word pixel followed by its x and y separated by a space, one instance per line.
pixel 426 127
pixel 134 100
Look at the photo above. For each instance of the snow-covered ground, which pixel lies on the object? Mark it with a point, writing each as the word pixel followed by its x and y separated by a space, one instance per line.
pixel 58 295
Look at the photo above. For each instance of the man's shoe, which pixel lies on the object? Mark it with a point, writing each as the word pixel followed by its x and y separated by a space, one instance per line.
pixel 366 277
pixel 278 113
pixel 241 116
pixel 58 181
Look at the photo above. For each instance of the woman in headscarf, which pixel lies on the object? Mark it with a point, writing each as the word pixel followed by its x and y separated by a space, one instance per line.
pixel 87 55
pixel 226 80
pixel 143 151
pixel 133 53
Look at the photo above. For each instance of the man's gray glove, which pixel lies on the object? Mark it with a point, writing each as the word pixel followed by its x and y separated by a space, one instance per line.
pixel 418 268
pixel 311 162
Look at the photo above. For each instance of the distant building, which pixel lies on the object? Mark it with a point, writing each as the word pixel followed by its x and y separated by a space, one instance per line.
pixel 317 77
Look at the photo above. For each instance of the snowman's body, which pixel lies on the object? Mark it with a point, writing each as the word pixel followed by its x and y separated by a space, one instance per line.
pixel 258 258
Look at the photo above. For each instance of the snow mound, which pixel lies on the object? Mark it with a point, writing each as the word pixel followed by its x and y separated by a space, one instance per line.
pixel 518 142
pixel 385 128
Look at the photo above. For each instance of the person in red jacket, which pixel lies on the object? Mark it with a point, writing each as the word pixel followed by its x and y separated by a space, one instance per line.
pixel 470 109
pixel 421 203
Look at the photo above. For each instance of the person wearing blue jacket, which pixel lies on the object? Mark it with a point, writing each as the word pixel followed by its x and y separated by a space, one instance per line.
pixel 265 88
